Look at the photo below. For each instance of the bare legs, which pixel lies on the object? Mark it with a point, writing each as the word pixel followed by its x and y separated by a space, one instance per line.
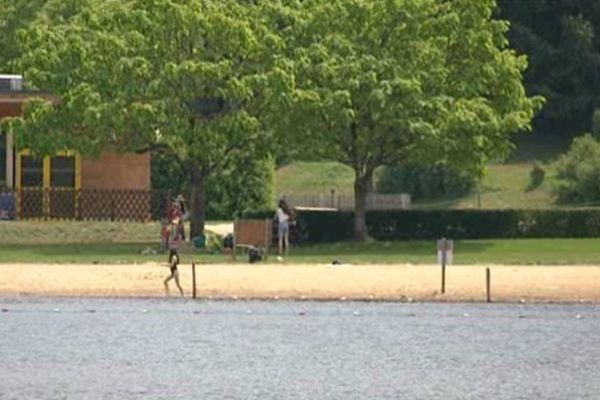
pixel 174 275
pixel 284 242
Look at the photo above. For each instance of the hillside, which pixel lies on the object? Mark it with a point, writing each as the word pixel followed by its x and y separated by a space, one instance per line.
pixel 504 185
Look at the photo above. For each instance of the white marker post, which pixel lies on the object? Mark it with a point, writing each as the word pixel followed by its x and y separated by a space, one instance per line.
pixel 445 248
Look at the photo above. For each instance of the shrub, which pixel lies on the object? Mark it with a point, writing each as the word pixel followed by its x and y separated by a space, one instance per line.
pixel 328 226
pixel 536 176
pixel 578 172
pixel 424 182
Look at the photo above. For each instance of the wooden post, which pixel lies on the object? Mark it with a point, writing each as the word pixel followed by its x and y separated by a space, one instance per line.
pixel 488 285
pixel 235 233
pixel 193 280
pixel 268 229
pixel 443 265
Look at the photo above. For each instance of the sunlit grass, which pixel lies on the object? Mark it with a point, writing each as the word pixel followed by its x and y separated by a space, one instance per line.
pixel 517 252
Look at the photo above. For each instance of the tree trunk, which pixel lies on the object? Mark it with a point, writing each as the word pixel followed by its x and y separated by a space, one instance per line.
pixel 362 187
pixel 197 204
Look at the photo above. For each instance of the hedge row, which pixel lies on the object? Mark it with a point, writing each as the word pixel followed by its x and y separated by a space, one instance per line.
pixel 331 226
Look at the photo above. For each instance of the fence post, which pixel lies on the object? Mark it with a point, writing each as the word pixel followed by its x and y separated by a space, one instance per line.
pixel 268 231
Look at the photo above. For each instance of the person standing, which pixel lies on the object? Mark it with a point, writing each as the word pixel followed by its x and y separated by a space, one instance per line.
pixel 283 215
pixel 183 214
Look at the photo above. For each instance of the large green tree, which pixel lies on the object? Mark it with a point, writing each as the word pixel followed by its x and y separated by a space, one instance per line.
pixel 382 82
pixel 177 76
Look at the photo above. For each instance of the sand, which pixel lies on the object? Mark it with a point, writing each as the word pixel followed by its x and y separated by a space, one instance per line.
pixel 302 281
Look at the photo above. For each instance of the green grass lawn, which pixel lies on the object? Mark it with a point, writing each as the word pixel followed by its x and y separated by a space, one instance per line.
pixel 498 251
pixel 520 252
pixel 78 232
pixel 103 253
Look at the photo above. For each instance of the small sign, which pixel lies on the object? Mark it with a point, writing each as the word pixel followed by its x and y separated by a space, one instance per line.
pixel 446 245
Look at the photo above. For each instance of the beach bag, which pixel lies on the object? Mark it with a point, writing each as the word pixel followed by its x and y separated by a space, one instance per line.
pixel 228 241
pixel 254 255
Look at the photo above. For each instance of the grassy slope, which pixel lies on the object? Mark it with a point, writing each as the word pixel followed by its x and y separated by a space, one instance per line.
pixel 314 178
pixel 504 185
pixel 507 186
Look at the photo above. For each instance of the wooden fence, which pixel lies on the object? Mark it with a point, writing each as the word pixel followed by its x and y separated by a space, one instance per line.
pixel 346 202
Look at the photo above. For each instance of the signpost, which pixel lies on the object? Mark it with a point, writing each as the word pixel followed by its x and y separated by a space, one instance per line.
pixel 445 250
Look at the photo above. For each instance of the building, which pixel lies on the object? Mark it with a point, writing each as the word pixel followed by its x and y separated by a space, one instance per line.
pixel 68 185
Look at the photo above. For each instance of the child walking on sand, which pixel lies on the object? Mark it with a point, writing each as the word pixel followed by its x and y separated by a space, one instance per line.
pixel 173 263
pixel 175 241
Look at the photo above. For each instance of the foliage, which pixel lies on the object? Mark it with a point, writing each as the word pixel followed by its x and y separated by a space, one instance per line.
pixel 561 39
pixel 579 172
pixel 424 182
pixel 375 83
pixel 245 184
pixel 596 123
pixel 14 15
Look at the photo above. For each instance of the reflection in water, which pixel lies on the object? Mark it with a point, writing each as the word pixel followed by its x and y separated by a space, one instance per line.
pixel 140 349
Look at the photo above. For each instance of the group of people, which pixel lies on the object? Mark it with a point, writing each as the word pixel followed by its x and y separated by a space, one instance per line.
pixel 173 234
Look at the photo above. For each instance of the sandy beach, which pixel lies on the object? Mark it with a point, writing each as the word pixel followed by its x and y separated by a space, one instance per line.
pixel 303 281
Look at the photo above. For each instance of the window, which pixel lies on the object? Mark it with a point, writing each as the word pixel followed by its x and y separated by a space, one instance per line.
pixel 62 172
pixel 32 171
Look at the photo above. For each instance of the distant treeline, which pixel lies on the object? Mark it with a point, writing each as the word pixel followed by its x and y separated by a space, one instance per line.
pixel 562 42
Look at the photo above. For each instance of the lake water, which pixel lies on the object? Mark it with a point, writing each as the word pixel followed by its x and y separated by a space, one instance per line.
pixel 171 349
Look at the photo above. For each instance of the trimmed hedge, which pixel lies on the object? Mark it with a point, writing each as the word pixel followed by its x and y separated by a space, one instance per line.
pixel 332 226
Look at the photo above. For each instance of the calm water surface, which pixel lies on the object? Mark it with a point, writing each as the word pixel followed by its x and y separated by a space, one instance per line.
pixel 161 349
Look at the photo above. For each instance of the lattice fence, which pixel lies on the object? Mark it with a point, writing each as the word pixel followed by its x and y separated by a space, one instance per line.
pixel 84 204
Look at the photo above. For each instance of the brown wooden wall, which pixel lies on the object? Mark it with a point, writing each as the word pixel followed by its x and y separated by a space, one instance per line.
pixel 9 109
pixel 112 171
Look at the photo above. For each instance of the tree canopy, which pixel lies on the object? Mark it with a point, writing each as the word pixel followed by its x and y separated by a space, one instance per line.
pixel 374 83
